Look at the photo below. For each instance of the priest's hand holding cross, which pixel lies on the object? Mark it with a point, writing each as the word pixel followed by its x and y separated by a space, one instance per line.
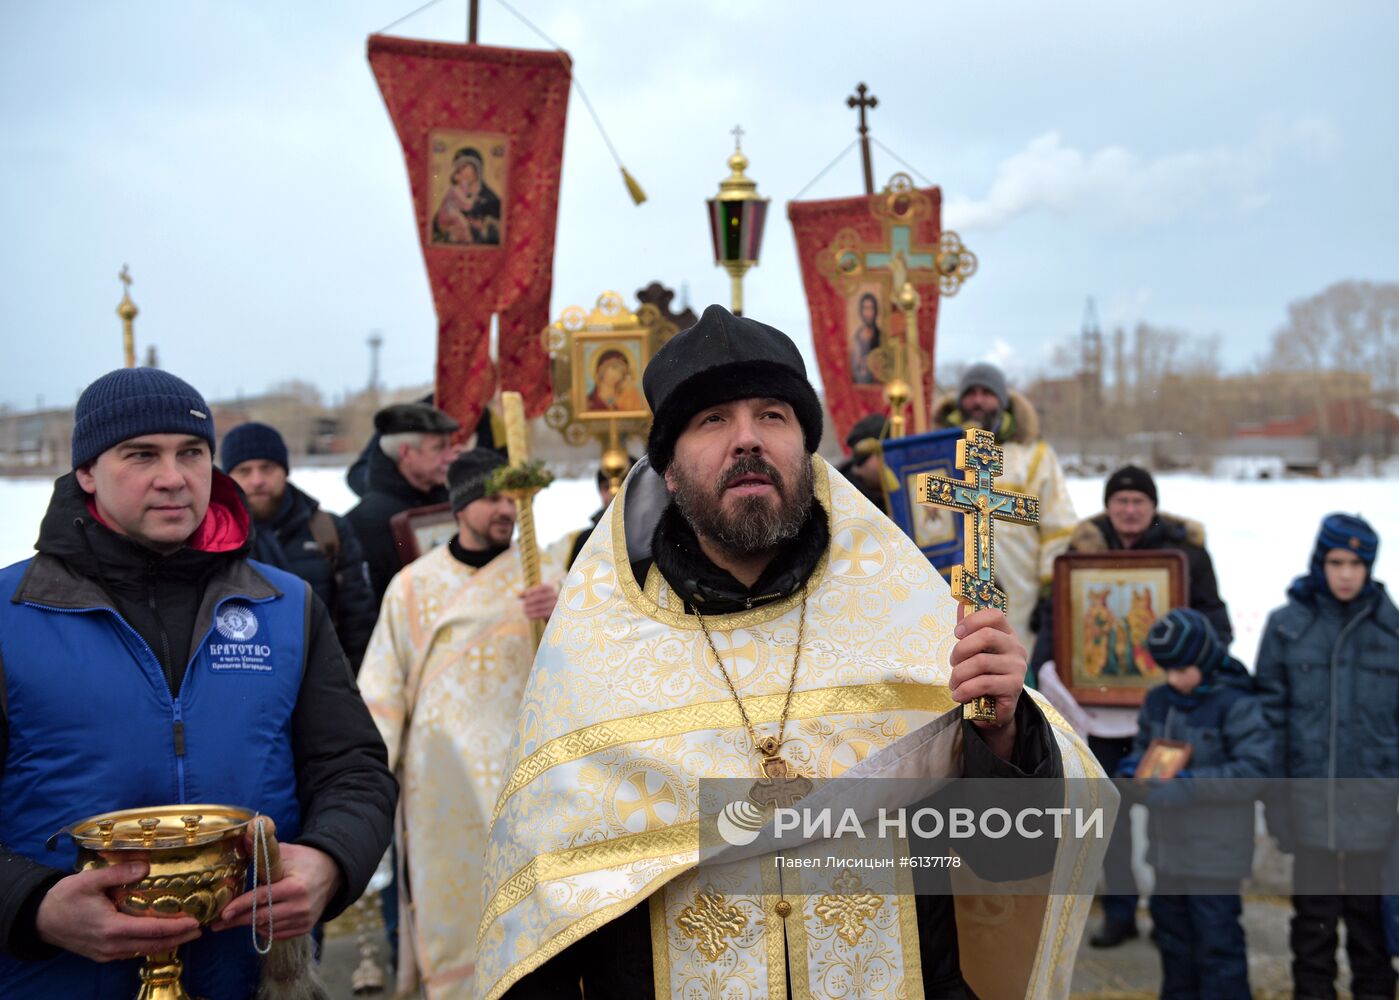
pixel 989 662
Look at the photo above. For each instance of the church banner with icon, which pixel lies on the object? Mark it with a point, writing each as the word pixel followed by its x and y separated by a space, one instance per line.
pixel 851 250
pixel 482 132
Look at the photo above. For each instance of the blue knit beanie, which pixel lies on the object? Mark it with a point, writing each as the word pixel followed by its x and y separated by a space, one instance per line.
pixel 251 441
pixel 1342 531
pixel 129 402
pixel 1183 637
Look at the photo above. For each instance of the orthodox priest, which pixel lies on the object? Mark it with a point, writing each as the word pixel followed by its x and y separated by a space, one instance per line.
pixel 741 607
pixel 443 676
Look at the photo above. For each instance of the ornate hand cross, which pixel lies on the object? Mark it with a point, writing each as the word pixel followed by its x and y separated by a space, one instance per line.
pixel 976 497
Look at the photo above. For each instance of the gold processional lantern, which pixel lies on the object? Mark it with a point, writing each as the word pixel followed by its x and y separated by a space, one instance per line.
pixel 736 217
pixel 597 361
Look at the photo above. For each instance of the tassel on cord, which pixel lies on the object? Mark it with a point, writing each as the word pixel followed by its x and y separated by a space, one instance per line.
pixel 288 970
pixel 633 188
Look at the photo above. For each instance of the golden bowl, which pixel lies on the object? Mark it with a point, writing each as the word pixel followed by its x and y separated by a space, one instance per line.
pixel 197 865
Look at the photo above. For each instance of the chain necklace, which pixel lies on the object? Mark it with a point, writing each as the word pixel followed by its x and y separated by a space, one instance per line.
pixel 779 785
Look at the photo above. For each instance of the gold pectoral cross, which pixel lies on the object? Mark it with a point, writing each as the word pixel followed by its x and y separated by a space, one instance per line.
pixel 975 497
pixel 780 787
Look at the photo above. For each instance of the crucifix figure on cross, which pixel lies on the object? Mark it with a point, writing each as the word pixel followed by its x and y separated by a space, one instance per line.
pixel 976 497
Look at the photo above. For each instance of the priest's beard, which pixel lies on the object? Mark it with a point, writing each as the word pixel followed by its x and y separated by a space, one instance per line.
pixel 755 525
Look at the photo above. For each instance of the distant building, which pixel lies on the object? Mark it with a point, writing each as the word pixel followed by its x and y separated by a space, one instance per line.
pixel 36 442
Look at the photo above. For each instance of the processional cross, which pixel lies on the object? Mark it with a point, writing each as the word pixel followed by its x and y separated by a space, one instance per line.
pixel 976 497
pixel 863 99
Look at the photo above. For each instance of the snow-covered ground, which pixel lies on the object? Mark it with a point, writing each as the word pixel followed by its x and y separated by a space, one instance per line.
pixel 1259 532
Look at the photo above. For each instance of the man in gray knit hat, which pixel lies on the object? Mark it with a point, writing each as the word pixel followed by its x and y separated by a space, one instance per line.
pixel 1025 554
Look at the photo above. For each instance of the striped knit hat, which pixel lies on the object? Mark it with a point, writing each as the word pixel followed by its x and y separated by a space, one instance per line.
pixel 1346 531
pixel 1183 637
pixel 467 475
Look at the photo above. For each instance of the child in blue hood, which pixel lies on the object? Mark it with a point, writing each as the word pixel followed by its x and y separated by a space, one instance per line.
pixel 1201 823
pixel 1328 675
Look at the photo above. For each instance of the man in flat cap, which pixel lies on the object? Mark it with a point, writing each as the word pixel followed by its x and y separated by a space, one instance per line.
pixel 739 613
pixel 408 470
pixel 443 677
pixel 865 467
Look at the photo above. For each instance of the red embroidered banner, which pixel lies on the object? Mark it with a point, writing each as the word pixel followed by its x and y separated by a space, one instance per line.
pixel 847 248
pixel 482 132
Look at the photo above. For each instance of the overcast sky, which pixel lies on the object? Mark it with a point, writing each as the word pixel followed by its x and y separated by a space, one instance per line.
pixel 1191 164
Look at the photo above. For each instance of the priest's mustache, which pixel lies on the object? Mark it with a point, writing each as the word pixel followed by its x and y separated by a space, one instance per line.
pixel 751 465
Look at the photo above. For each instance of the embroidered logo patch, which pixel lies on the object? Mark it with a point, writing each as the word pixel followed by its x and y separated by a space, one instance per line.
pixel 237 622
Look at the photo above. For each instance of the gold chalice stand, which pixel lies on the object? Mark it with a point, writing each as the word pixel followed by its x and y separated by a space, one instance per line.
pixel 197 865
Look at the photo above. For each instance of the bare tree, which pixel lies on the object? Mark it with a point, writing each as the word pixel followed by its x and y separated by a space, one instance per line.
pixel 1350 327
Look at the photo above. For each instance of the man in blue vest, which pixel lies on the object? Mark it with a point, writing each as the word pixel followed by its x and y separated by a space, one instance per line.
pixel 145 660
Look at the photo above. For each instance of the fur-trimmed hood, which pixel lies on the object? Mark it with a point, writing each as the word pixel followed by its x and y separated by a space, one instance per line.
pixel 1027 419
pixel 1089 535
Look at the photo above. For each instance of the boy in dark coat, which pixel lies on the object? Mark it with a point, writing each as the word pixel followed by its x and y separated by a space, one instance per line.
pixel 1200 830
pixel 1328 675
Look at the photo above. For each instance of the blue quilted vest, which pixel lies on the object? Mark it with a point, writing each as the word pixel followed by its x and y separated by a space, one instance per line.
pixel 93 727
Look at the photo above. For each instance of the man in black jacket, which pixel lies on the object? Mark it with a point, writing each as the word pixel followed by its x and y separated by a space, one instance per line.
pixel 141 606
pixel 489 430
pixel 1130 520
pixel 409 469
pixel 295 534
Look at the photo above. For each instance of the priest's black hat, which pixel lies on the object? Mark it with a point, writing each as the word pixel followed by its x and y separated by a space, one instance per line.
pixel 413 418
pixel 722 358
